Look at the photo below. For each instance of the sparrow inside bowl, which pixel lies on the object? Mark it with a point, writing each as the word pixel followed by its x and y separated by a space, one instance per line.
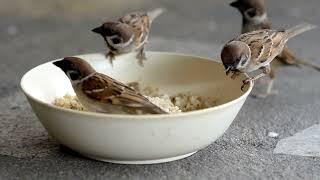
pixel 139 139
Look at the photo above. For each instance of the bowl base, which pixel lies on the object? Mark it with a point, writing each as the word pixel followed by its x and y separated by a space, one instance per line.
pixel 151 161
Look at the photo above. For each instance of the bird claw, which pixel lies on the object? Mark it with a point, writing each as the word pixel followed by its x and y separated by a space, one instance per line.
pixel 245 82
pixel 111 56
pixel 264 95
pixel 234 75
pixel 141 56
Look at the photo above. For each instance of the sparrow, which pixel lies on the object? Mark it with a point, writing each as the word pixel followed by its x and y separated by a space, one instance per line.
pixel 128 34
pixel 100 93
pixel 254 17
pixel 256 49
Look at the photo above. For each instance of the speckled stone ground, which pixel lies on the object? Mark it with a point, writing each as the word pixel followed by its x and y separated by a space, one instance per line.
pixel 33 33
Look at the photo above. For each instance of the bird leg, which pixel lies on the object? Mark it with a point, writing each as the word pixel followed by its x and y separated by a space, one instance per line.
pixel 269 91
pixel 270 84
pixel 265 70
pixel 141 56
pixel 235 74
pixel 111 56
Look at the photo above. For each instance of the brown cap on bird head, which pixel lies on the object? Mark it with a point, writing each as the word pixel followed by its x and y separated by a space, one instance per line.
pixel 234 53
pixel 75 64
pixel 244 5
pixel 109 29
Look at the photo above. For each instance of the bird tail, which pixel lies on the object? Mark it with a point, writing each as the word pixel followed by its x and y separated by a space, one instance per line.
pixel 288 58
pixel 155 13
pixel 301 28
pixel 308 64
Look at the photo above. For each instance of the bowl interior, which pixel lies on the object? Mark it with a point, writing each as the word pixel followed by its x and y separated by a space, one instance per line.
pixel 171 73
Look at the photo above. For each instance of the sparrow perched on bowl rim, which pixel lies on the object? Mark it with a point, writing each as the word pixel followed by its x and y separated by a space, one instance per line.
pixel 256 50
pixel 254 17
pixel 129 33
pixel 100 93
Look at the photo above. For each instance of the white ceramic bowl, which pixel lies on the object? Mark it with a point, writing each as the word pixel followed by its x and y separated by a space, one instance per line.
pixel 139 139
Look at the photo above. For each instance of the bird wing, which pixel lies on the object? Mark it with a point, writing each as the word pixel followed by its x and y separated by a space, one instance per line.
pixel 140 24
pixel 287 57
pixel 263 44
pixel 107 90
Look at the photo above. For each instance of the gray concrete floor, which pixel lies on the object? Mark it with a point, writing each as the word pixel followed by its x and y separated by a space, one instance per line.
pixel 33 33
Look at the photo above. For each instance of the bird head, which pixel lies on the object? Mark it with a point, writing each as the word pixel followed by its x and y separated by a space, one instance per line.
pixel 116 34
pixel 75 68
pixel 235 56
pixel 250 9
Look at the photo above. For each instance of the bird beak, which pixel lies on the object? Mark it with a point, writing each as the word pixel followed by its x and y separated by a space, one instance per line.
pixel 58 63
pixel 235 4
pixel 228 70
pixel 97 30
pixel 62 64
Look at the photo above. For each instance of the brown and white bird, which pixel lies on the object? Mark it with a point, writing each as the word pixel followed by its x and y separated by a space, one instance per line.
pixel 256 49
pixel 255 17
pixel 128 34
pixel 100 93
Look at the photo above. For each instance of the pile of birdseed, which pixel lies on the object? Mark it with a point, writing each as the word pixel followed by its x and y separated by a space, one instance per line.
pixel 69 102
pixel 182 102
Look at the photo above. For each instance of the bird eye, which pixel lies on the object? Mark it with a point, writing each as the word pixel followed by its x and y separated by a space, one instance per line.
pixel 251 13
pixel 74 75
pixel 116 40
pixel 243 62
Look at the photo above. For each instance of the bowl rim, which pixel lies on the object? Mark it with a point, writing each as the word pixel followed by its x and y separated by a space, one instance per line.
pixel 143 116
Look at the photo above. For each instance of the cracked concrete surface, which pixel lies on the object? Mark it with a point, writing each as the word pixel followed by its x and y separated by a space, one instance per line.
pixel 32 33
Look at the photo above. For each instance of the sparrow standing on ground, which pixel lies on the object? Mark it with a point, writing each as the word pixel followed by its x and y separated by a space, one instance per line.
pixel 100 93
pixel 254 17
pixel 129 33
pixel 255 50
